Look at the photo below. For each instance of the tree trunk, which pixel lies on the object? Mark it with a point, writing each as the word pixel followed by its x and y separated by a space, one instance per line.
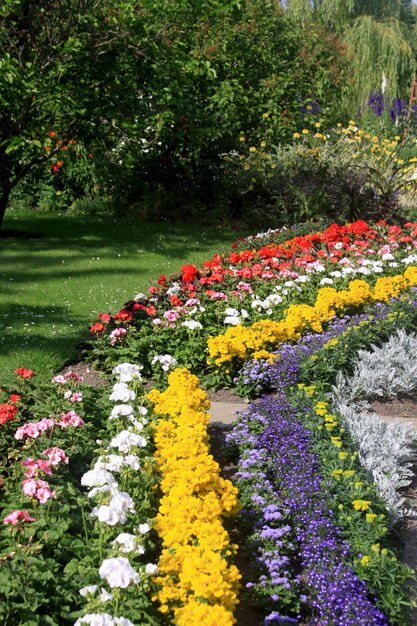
pixel 4 201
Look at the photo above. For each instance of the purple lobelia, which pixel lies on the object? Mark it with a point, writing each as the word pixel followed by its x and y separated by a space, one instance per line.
pixel 295 531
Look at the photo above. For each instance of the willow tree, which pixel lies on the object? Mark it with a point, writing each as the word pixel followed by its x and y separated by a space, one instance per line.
pixel 379 36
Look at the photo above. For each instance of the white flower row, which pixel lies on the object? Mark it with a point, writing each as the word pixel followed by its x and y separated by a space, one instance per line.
pixel 114 505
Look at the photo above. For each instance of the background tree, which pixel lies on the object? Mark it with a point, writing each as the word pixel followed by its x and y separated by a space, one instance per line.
pixel 379 37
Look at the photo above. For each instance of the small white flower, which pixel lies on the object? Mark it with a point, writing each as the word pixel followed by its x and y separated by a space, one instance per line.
pixel 144 528
pixel 127 372
pixel 98 478
pixel 231 320
pixel 151 569
pixel 105 596
pixel 127 543
pixel 232 312
pixel 192 325
pixel 118 572
pixel 388 256
pixel 122 393
pixel 121 410
pixel 338 245
pixel 326 281
pixel 336 274
pixel 125 440
pixel 96 619
pixel 88 590
pixel 116 511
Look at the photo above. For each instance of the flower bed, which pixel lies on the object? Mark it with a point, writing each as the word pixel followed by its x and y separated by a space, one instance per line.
pixel 113 506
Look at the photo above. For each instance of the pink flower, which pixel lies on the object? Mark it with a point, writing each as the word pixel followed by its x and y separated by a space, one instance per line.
pixel 59 379
pixel 34 429
pixel 55 456
pixel 171 316
pixel 43 494
pixel 38 489
pixel 117 333
pixel 36 466
pixel 30 486
pixel 73 396
pixel 71 419
pixel 15 516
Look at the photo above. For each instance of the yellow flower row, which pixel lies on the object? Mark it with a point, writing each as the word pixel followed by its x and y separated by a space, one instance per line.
pixel 196 581
pixel 240 342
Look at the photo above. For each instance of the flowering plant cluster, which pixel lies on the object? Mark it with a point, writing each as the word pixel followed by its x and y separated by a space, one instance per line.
pixel 116 493
pixel 198 584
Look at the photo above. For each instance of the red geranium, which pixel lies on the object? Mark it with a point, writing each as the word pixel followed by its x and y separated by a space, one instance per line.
pixel 14 398
pixel 98 327
pixel 175 301
pixel 104 317
pixel 123 316
pixel 7 413
pixel 188 273
pixel 23 372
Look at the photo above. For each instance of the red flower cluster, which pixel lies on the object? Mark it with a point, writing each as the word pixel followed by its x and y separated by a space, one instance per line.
pixel 23 372
pixel 98 327
pixel 7 413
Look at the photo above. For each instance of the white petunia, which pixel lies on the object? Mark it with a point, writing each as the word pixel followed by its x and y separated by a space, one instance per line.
pixel 118 572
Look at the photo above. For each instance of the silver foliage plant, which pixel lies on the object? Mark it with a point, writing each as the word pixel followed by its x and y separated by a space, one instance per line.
pixel 386 450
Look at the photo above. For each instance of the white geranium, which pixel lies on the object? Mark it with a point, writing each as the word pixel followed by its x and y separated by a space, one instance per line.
pixel 166 361
pixel 121 410
pixel 102 619
pixel 115 462
pixel 151 569
pixel 118 572
pixel 192 324
pixel 99 477
pixel 126 372
pixel 88 590
pixel 116 511
pixel 126 439
pixel 95 619
pixel 122 393
pixel 144 528
pixel 127 543
pixel 326 281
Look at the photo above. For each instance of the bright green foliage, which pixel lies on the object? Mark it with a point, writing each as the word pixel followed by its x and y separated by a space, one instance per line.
pixel 155 90
pixel 379 37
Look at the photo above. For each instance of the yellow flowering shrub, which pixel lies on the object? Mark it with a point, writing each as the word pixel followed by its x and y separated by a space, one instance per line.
pixel 197 583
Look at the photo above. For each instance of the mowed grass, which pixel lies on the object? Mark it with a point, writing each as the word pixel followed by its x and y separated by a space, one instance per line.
pixel 53 287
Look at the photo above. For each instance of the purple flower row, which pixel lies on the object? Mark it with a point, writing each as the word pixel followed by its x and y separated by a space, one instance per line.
pixel 260 376
pixel 295 532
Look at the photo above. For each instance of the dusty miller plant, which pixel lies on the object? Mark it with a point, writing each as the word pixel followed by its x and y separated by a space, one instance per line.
pixel 386 450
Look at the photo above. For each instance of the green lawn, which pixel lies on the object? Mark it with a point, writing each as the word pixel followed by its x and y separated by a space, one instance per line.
pixel 53 287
